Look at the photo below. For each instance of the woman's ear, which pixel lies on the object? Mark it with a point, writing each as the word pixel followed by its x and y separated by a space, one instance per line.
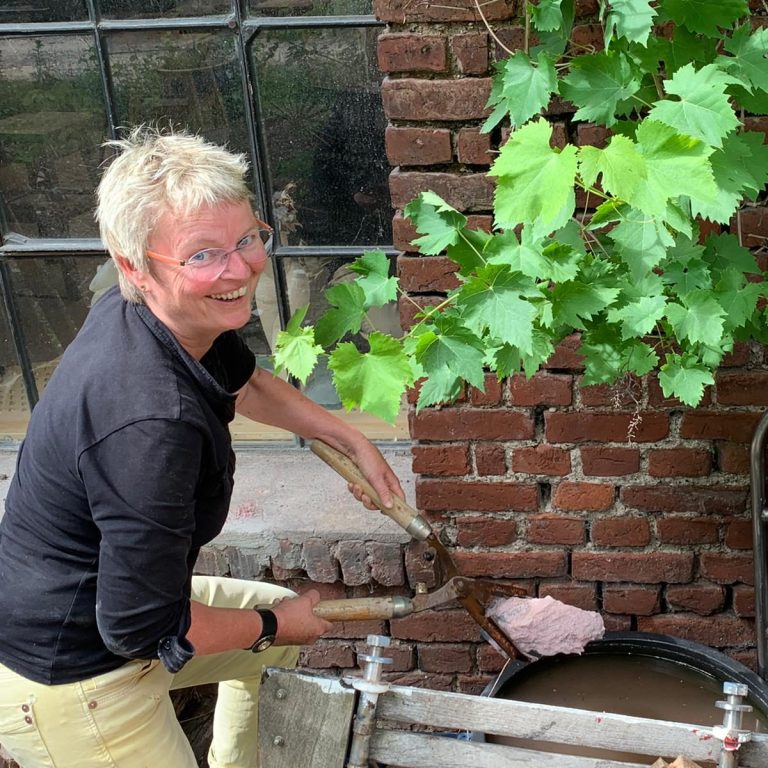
pixel 134 276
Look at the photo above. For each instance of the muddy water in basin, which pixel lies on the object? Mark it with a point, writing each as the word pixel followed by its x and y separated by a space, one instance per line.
pixel 625 684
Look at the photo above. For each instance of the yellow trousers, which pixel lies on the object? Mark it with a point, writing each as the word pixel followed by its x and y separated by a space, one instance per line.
pixel 125 718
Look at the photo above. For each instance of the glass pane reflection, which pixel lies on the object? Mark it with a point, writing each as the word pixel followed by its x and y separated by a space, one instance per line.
pixel 52 123
pixel 310 7
pixel 24 11
pixel 181 78
pixel 144 9
pixel 324 128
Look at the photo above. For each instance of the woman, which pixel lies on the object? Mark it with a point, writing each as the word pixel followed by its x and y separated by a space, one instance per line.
pixel 126 471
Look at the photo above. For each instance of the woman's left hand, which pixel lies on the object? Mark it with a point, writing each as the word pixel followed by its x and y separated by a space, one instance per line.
pixel 377 471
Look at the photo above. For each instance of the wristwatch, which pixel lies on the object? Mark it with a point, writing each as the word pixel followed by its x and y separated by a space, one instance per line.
pixel 268 630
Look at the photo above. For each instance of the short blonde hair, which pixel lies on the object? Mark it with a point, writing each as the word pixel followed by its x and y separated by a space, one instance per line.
pixel 160 172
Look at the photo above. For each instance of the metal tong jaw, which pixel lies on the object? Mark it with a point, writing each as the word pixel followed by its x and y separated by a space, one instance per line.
pixel 473 594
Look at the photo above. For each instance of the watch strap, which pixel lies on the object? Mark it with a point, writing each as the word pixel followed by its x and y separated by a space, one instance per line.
pixel 268 630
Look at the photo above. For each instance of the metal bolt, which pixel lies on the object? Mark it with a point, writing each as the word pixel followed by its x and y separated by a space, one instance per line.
pixel 278 741
pixel 735 689
pixel 420 588
pixel 281 693
pixel 374 660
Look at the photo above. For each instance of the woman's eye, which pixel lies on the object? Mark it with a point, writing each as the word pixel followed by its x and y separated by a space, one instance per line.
pixel 249 239
pixel 201 257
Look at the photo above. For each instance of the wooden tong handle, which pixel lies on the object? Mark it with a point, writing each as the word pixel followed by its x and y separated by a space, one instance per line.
pixel 401 512
pixel 363 608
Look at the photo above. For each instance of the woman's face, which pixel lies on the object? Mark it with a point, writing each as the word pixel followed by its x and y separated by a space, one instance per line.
pixel 195 310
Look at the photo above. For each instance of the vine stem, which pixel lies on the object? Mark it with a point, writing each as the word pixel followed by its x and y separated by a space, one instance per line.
pixel 490 31
pixel 527 27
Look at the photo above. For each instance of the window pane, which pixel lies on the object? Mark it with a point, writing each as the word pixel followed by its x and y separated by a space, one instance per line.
pixel 184 78
pixel 23 11
pixel 144 9
pixel 324 129
pixel 310 7
pixel 52 123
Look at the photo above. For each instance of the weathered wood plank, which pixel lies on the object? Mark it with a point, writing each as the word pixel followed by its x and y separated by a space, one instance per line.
pixel 402 749
pixel 560 725
pixel 305 721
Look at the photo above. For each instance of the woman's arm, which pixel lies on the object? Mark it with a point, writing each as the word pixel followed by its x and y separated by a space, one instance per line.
pixel 270 400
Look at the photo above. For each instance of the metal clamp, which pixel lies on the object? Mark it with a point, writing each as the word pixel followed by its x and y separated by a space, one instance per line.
pixel 730 732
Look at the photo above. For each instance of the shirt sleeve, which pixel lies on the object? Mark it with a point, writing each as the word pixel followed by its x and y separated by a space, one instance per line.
pixel 141 485
pixel 230 361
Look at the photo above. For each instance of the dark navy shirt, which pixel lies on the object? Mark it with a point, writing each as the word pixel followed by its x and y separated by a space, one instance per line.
pixel 125 472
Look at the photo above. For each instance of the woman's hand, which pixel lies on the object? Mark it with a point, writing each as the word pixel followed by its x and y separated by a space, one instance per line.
pixel 296 623
pixel 378 473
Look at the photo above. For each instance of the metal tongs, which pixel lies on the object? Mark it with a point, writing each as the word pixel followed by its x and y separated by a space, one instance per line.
pixel 473 594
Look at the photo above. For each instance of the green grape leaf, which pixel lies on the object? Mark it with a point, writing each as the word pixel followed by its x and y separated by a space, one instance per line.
pixel 704 110
pixel 639 317
pixel 491 302
pixel 675 165
pixel 643 242
pixel 756 103
pixel 575 303
pixel 700 318
pixel 436 221
pixel 686 269
pixel 547 16
pixel 622 167
pixel 373 381
pixel 562 262
pixel 705 16
pixel 607 213
pixel 505 360
pixel 451 345
pixel 537 180
pixel 471 250
pixel 379 288
pixel 748 62
pixel 543 349
pixel 525 255
pixel 524 88
pixel 295 348
pixel 682 48
pixel 737 297
pixel 596 83
pixel 555 40
pixel 346 316
pixel 607 359
pixel 684 381
pixel 631 19
pixel 441 386
pixel 724 251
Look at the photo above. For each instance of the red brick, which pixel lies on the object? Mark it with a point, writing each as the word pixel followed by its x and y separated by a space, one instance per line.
pixel 542 459
pixel 352 630
pixel 754 226
pixel 491 395
pixel 440 495
pixel 473 684
pixel 420 100
pixel 615 623
pixel 465 192
pixel 738 357
pixel 604 427
pixel 586 38
pixel 687 530
pixel 742 388
pixel 485 531
pixel 566 355
pixel 445 460
pixel 386 563
pixel 758 124
pixel 405 52
pixel 471 52
pixel 559 138
pixel 733 458
pixel 704 599
pixel 453 625
pixel 738 534
pixel 420 564
pixel 426 273
pixel 542 389
pixel 715 631
pixel 418 146
pixel 626 392
pixel 592 135
pixel 490 459
pixel 620 532
pixel 445 657
pixel 587 7
pixel 408 312
pixel 417 679
pixel 589 497
pixel 512 39
pixel 657 399
pixel 640 601
pixel 353 559
pixel 471 424
pixel 727 569
pixel 405 11
pixel 582 596
pixel 319 562
pixel 603 461
pixel 703 499
pixel 679 462
pixel 403 235
pixel 511 565
pixel 713 425
pixel 473 147
pixel 556 529
pixel 489 659
pixel 324 654
pixel 639 567
pixel 744 600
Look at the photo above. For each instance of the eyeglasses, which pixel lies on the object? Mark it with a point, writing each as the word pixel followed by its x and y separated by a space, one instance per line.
pixel 210 263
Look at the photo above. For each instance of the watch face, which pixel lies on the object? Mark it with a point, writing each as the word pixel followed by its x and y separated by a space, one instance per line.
pixel 264 643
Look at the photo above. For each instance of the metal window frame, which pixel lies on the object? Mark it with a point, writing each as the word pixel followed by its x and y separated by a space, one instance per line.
pixel 245 28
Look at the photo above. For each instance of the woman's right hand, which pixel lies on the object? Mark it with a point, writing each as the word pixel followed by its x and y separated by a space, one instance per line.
pixel 296 623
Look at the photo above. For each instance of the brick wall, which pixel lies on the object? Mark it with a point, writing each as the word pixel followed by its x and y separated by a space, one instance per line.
pixel 538 482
